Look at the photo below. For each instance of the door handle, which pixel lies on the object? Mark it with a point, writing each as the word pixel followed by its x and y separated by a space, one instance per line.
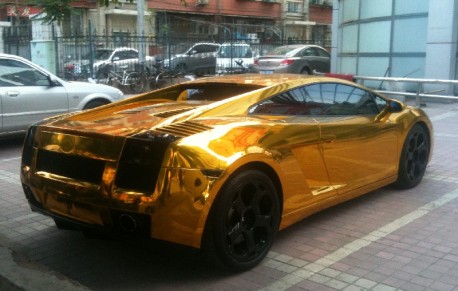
pixel 12 93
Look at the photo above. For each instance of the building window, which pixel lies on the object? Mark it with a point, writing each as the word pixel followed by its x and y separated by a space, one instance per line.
pixel 294 7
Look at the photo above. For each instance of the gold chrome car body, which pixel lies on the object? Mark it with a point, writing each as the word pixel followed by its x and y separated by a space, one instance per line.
pixel 152 166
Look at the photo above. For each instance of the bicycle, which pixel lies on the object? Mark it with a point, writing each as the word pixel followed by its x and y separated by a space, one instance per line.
pixel 134 81
pixel 167 77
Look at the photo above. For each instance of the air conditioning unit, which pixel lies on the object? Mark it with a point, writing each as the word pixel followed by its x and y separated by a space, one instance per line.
pixel 201 2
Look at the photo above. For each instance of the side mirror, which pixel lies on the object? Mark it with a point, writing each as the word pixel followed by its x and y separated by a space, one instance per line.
pixel 53 81
pixel 394 106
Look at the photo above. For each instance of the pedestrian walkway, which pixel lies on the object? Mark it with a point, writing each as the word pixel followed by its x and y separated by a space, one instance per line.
pixel 386 240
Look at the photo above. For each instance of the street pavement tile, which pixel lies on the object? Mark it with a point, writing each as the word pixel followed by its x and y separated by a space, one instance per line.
pixel 386 240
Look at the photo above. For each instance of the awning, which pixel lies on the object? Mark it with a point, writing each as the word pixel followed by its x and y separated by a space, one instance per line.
pixel 22 11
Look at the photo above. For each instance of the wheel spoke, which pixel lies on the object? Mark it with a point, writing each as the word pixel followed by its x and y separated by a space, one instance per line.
pixel 249 220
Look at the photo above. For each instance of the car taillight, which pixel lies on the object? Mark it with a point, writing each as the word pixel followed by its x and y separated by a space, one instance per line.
pixel 286 62
pixel 256 62
pixel 70 66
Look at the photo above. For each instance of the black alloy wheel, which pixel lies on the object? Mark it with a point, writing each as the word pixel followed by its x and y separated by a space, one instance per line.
pixel 243 221
pixel 414 157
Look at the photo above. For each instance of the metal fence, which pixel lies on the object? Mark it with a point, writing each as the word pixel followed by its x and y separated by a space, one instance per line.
pixel 17 40
pixel 419 89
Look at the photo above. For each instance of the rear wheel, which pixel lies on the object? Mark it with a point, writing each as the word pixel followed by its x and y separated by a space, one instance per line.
pixel 414 158
pixel 136 82
pixel 181 69
pixel 243 221
pixel 305 71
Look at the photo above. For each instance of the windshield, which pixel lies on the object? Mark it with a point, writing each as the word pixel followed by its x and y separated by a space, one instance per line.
pixel 238 51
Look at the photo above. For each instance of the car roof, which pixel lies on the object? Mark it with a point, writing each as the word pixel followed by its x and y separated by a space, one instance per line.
pixel 300 46
pixel 235 44
pixel 209 43
pixel 3 55
pixel 269 80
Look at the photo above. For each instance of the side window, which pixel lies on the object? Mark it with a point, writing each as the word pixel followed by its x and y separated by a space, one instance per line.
pixel 320 99
pixel 309 52
pixel 14 73
pixel 207 49
pixel 352 101
pixel 131 54
pixel 199 49
pixel 322 53
pixel 381 103
pixel 214 48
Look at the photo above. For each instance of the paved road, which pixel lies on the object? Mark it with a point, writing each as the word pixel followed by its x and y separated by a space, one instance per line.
pixel 386 240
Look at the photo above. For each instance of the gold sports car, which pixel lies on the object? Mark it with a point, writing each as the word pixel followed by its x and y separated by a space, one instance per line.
pixel 222 163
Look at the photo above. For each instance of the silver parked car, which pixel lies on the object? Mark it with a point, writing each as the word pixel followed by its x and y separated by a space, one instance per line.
pixel 199 59
pixel 297 59
pixel 29 93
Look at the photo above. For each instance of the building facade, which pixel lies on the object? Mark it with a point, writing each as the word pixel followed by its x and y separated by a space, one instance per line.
pixel 257 20
pixel 396 38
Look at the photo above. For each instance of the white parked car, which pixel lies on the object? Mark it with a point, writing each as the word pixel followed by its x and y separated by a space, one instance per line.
pixel 234 58
pixel 29 93
pixel 119 58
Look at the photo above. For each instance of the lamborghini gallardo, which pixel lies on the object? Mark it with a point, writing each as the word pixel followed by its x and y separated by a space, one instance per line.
pixel 223 163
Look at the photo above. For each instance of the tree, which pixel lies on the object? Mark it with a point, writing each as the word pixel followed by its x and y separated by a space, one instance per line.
pixel 54 10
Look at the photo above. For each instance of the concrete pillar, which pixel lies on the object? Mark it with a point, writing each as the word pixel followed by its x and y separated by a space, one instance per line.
pixel 441 46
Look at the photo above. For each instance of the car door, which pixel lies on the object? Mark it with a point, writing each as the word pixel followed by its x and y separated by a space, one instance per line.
pixel 316 59
pixel 358 149
pixel 208 56
pixel 27 95
pixel 297 136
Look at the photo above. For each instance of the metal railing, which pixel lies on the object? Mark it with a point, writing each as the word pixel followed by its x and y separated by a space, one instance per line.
pixel 418 86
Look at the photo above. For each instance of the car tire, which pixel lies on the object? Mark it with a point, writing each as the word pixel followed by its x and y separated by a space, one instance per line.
pixel 305 71
pixel 181 69
pixel 243 222
pixel 414 157
pixel 94 104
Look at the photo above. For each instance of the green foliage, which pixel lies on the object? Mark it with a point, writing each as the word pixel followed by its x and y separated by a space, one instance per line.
pixel 55 10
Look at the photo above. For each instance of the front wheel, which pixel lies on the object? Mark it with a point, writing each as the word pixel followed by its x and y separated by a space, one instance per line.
pixel 414 158
pixel 243 221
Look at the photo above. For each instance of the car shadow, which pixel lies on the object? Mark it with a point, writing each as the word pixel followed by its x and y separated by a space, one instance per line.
pixel 104 263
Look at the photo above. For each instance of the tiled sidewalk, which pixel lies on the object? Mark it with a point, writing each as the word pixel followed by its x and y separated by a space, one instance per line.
pixel 386 240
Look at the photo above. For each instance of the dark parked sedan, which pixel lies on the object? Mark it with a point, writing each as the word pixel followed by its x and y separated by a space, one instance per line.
pixel 297 59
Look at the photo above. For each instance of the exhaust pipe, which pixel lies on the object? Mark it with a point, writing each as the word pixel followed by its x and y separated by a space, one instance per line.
pixel 127 222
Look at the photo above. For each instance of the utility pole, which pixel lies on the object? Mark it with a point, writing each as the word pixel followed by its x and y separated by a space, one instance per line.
pixel 141 30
